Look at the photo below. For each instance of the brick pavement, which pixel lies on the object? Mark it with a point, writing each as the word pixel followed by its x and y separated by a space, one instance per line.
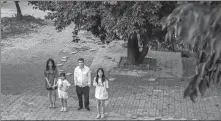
pixel 128 100
pixel 131 97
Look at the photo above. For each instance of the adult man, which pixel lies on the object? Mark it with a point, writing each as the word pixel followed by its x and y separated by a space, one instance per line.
pixel 82 82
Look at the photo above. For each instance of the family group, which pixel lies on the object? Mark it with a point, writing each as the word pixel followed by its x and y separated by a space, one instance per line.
pixel 56 83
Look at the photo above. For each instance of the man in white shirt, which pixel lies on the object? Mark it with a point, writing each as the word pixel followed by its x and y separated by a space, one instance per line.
pixel 82 81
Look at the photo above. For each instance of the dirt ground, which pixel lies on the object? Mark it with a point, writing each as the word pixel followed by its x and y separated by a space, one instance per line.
pixel 24 57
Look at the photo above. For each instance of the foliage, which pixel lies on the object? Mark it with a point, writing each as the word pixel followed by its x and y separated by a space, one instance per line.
pixel 199 26
pixel 121 17
pixel 13 26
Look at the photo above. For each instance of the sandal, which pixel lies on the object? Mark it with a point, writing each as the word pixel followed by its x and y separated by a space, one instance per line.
pixel 65 110
pixel 50 106
pixel 53 105
pixel 102 116
pixel 98 116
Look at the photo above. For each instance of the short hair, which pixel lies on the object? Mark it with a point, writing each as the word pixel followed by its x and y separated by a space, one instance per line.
pixel 81 59
pixel 62 74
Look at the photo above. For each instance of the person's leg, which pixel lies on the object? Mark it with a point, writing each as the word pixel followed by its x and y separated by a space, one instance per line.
pixel 86 97
pixel 49 96
pixel 102 108
pixel 54 97
pixel 79 94
pixel 98 108
pixel 65 104
pixel 62 104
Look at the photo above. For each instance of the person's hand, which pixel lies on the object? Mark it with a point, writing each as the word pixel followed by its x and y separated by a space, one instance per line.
pixel 53 87
pixel 88 85
pixel 49 85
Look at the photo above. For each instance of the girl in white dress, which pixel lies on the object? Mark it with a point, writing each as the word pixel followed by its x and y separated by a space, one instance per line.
pixel 63 85
pixel 101 94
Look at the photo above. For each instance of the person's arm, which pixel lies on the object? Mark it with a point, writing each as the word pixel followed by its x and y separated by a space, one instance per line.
pixel 55 78
pixel 94 82
pixel 55 82
pixel 47 82
pixel 47 79
pixel 68 84
pixel 106 85
pixel 75 76
pixel 59 84
pixel 89 77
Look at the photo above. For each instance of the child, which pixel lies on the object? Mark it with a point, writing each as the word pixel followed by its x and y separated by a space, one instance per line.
pixel 101 94
pixel 63 85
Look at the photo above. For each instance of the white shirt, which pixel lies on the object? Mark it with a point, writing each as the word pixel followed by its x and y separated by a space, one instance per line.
pixel 82 77
pixel 63 84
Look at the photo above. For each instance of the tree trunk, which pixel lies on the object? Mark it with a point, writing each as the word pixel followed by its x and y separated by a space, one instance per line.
pixel 145 49
pixel 133 50
pixel 134 56
pixel 19 14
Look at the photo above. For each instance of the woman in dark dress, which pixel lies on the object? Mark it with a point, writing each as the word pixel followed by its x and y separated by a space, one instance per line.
pixel 51 75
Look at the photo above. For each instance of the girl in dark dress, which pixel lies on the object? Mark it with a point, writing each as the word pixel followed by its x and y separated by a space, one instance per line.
pixel 51 75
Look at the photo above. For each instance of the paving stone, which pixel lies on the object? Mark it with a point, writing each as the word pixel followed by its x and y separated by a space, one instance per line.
pixel 132 97
pixel 134 117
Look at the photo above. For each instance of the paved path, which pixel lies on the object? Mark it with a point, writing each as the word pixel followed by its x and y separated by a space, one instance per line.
pixel 130 98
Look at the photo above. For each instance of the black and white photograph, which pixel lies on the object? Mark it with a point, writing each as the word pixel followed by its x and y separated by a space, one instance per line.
pixel 110 60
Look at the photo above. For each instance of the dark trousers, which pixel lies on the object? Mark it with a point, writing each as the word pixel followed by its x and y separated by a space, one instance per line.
pixel 83 91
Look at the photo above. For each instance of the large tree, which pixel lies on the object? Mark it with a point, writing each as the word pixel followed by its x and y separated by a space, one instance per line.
pixel 136 22
pixel 198 24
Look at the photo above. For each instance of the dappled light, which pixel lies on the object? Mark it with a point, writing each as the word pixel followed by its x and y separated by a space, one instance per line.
pixel 129 60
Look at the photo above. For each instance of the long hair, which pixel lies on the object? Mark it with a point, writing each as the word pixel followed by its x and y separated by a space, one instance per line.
pixel 103 76
pixel 53 64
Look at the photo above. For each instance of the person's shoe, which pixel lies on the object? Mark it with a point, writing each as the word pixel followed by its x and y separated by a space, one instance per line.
pixel 50 106
pixel 102 116
pixel 79 108
pixel 88 108
pixel 62 109
pixel 65 110
pixel 53 105
pixel 98 116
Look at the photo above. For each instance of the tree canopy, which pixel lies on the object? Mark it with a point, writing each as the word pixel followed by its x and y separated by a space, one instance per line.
pixel 199 26
pixel 123 19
